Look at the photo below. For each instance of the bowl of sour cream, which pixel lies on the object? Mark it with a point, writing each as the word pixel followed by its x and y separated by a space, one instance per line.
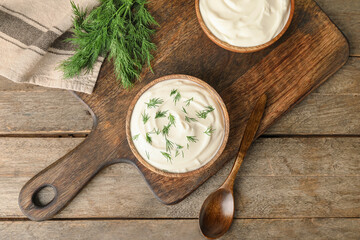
pixel 177 124
pixel 244 25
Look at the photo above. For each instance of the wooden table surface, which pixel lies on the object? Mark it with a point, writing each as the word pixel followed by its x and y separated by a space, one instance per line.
pixel 300 180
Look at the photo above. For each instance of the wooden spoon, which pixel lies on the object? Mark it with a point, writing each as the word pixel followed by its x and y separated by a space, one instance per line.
pixel 217 212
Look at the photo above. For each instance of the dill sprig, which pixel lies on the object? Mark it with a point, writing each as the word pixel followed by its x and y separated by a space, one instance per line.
pixel 135 137
pixel 174 91
pixel 171 119
pixel 203 114
pixel 190 119
pixel 145 117
pixel 178 148
pixel 169 145
pixel 187 102
pixel 192 139
pixel 117 27
pixel 155 131
pixel 166 155
pixel 148 138
pixel 209 131
pixel 184 110
pixel 166 129
pixel 177 95
pixel 154 102
pixel 160 114
pixel 147 155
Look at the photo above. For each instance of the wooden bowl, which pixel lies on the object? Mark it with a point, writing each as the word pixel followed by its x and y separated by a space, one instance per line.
pixel 233 48
pixel 211 91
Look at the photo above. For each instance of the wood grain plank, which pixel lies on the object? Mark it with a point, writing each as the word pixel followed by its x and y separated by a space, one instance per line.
pixel 346 15
pixel 338 228
pixel 321 114
pixel 346 81
pixel 334 108
pixel 48 112
pixel 307 177
pixel 257 197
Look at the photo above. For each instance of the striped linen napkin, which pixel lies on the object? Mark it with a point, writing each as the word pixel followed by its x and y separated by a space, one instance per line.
pixel 32 46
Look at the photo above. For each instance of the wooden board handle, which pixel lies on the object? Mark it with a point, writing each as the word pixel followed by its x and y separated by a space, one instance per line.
pixel 67 177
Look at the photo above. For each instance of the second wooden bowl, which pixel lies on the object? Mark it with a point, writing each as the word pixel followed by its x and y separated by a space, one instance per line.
pixel 233 48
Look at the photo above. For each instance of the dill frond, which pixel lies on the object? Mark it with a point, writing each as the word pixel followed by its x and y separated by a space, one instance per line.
pixel 169 145
pixel 148 138
pixel 190 119
pixel 160 114
pixel 209 131
pixel 167 156
pixel 171 119
pixel 187 102
pixel 203 114
pixel 192 139
pixel 166 129
pixel 184 110
pixel 154 102
pixel 136 137
pixel 145 117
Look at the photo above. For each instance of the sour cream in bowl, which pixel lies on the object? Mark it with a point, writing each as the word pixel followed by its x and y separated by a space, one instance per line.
pixel 177 124
pixel 244 25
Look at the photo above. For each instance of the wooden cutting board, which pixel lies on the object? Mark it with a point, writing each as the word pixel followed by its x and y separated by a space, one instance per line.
pixel 310 52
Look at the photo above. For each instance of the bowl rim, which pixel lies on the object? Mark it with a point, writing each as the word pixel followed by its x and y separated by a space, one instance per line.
pixel 212 91
pixel 238 49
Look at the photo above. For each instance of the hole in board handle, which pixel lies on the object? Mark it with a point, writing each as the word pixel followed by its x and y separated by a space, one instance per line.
pixel 44 196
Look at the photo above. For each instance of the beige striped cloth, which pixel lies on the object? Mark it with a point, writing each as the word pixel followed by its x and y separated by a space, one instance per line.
pixel 32 46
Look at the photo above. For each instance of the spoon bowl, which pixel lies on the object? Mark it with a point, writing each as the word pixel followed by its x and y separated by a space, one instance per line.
pixel 217 213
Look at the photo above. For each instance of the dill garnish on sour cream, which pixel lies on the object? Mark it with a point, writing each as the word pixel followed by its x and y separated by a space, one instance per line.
pixel 184 126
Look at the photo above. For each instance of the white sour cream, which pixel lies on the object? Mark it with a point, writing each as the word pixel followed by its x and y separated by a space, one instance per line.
pixel 245 23
pixel 194 99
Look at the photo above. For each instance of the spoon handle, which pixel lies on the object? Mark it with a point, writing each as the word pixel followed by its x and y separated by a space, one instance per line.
pixel 249 134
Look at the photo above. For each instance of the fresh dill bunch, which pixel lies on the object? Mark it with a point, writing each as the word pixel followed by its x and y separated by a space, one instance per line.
pixel 160 114
pixel 119 28
pixel 209 131
pixel 203 114
pixel 154 102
